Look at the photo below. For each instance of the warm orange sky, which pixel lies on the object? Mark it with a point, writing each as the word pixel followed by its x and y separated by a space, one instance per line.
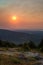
pixel 29 14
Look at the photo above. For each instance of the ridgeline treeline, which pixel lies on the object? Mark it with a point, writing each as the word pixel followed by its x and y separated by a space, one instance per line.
pixel 26 46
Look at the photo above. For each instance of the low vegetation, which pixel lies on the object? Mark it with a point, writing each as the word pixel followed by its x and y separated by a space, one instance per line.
pixel 22 47
pixel 11 60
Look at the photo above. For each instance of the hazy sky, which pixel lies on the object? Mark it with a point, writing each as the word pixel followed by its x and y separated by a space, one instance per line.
pixel 29 14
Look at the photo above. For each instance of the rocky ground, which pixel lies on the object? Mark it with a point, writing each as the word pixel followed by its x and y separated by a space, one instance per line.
pixel 13 57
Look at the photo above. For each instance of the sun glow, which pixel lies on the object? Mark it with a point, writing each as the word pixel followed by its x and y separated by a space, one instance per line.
pixel 14 17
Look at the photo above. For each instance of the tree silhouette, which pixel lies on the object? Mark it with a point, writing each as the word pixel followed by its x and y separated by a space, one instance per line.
pixel 32 45
pixel 41 46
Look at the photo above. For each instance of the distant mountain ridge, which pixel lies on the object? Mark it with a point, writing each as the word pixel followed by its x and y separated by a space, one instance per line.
pixel 20 37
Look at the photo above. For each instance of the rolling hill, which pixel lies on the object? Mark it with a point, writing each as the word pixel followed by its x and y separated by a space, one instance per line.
pixel 20 37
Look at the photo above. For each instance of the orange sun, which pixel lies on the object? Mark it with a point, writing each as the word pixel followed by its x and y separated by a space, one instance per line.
pixel 14 17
